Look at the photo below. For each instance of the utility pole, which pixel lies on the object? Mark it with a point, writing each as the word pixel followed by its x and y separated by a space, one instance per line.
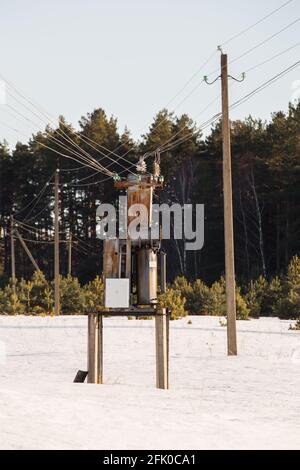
pixel 56 246
pixel 12 254
pixel 70 255
pixel 228 207
pixel 228 214
pixel 27 250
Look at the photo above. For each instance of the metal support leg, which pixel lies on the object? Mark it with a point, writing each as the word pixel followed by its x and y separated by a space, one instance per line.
pixel 95 349
pixel 100 349
pixel 93 339
pixel 162 349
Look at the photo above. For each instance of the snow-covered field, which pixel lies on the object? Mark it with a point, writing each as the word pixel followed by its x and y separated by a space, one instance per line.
pixel 214 402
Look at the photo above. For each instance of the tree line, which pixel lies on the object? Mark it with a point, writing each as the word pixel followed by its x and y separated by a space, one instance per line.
pixel 277 297
pixel 266 177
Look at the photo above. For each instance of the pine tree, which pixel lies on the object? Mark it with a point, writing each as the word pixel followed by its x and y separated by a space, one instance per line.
pixel 173 301
pixel 290 305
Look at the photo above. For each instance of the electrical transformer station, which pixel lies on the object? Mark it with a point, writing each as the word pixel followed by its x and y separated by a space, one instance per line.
pixel 134 272
pixel 134 267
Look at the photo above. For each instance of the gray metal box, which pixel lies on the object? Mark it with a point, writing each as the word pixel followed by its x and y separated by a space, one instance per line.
pixel 116 293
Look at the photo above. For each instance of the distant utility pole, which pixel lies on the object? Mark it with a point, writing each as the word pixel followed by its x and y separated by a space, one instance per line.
pixel 228 214
pixel 56 246
pixel 27 250
pixel 228 207
pixel 12 254
pixel 70 255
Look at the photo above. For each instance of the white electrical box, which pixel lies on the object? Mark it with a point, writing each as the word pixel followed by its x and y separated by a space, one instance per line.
pixel 116 293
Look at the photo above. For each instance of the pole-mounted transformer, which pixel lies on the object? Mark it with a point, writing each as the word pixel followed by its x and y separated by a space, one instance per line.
pixel 136 259
pixel 130 270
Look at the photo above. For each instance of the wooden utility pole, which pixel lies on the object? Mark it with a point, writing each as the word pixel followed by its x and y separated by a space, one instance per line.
pixel 70 255
pixel 95 349
pixel 162 348
pixel 27 250
pixel 56 246
pixel 228 215
pixel 12 254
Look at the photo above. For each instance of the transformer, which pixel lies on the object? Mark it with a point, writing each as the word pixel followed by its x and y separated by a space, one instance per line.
pixel 138 258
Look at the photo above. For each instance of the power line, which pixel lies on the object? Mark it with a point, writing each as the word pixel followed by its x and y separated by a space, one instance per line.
pixel 236 36
pixel 211 56
pixel 248 51
pixel 266 40
pixel 37 200
pixel 201 126
pixel 64 135
pixel 67 138
pixel 91 184
pixel 181 130
pixel 177 94
pixel 205 63
pixel 39 213
pixel 56 151
pixel 88 162
pixel 266 84
pixel 260 44
pixel 248 96
pixel 272 58
pixel 36 197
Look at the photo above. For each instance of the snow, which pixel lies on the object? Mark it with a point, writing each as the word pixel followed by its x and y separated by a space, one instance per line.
pixel 215 402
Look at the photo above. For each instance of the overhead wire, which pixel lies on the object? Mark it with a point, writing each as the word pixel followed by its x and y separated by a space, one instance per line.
pixel 253 48
pixel 36 197
pixel 70 157
pixel 84 158
pixel 272 58
pixel 210 57
pixel 257 46
pixel 247 71
pixel 177 94
pixel 82 151
pixel 249 95
pixel 246 30
pixel 37 200
pixel 39 213
pixel 63 134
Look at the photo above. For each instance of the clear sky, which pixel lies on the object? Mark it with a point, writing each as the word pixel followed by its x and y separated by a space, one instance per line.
pixel 131 57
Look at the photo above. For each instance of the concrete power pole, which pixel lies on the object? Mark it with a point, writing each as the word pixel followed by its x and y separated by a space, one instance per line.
pixel 56 246
pixel 228 215
pixel 12 254
pixel 70 255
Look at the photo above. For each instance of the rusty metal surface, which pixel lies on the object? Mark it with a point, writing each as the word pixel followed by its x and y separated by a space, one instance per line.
pixel 133 311
pixel 146 183
pixel 111 258
pixel 140 196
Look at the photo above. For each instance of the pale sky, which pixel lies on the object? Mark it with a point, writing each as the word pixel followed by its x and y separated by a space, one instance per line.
pixel 131 57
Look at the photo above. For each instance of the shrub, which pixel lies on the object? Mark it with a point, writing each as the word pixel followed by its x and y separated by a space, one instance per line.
pixel 217 299
pixel 173 300
pixel 37 292
pixel 10 303
pixel 199 299
pixel 289 307
pixel 295 327
pixel 71 295
pixel 272 298
pixel 182 285
pixel 94 295
pixel 242 310
pixel 202 300
pixel 255 295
